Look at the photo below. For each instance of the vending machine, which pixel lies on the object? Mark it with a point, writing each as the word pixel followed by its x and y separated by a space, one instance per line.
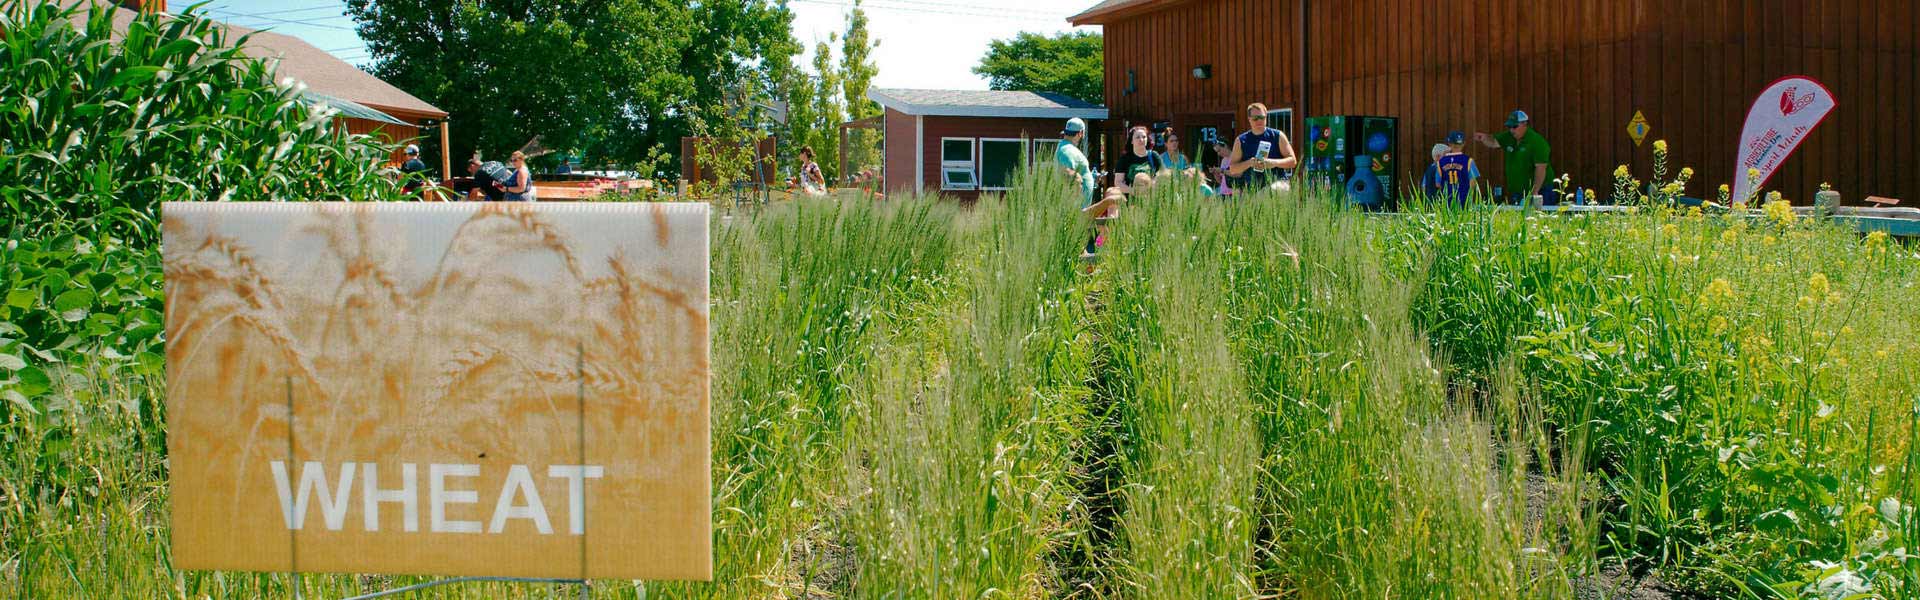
pixel 1354 156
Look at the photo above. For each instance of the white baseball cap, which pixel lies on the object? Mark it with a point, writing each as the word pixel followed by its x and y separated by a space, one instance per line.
pixel 412 149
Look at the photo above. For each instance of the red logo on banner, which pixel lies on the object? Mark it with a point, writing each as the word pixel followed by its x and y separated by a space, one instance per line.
pixel 1789 104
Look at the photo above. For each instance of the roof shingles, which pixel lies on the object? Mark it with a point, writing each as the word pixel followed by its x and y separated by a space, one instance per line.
pixel 985 103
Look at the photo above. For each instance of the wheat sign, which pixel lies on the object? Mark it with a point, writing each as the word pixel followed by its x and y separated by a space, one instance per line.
pixel 488 389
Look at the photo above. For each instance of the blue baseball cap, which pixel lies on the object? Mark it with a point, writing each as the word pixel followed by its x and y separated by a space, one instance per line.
pixel 1456 137
pixel 1074 125
pixel 1518 117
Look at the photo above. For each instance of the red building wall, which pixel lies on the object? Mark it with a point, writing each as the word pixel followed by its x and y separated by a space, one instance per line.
pixel 900 145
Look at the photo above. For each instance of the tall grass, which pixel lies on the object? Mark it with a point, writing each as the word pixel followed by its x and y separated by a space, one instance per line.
pixel 962 469
pixel 1258 398
pixel 1743 388
pixel 1286 431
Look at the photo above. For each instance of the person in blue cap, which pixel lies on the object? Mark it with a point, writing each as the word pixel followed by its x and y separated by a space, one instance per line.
pixel 1074 161
pixel 1527 154
pixel 1450 178
pixel 1069 156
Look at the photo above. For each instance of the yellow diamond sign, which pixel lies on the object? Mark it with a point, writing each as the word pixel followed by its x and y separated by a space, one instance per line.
pixel 1638 128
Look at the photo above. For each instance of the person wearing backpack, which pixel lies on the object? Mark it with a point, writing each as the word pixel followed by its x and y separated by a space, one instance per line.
pixel 520 187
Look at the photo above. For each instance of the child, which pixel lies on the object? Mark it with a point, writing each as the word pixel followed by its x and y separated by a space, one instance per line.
pixel 1456 171
pixel 1430 180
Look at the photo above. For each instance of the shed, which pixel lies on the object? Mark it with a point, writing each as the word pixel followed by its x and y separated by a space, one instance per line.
pixel 1581 68
pixel 964 142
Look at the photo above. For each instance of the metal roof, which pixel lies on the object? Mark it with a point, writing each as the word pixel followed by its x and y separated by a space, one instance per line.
pixel 986 103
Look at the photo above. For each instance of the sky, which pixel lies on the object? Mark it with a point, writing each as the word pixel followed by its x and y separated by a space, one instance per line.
pixel 923 43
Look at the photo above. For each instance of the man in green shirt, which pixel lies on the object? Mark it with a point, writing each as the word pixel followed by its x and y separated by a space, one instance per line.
pixel 1527 161
pixel 1068 155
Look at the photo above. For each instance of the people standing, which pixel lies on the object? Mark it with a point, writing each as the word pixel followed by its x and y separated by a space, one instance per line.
pixel 1456 170
pixel 1260 152
pixel 1223 182
pixel 520 188
pixel 812 181
pixel 1173 157
pixel 1138 164
pixel 1073 160
pixel 1527 157
pixel 413 171
pixel 1430 179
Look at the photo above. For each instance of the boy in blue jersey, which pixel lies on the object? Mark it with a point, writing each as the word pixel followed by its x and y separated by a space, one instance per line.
pixel 1455 172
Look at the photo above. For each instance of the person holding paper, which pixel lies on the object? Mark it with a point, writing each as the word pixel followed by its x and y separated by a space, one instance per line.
pixel 1258 151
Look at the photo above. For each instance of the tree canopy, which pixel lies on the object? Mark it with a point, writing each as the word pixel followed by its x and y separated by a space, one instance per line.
pixel 612 79
pixel 1069 63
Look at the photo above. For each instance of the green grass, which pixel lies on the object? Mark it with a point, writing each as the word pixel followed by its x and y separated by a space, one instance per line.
pixel 1264 398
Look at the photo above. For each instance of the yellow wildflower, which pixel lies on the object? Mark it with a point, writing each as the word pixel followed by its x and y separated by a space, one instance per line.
pixel 1753 174
pixel 1686 173
pixel 1846 330
pixel 1719 290
pixel 1669 230
pixel 1620 172
pixel 1779 210
pixel 1660 146
pixel 1876 239
pixel 1729 236
pixel 1718 325
pixel 1769 240
pixel 1695 212
pixel 1818 285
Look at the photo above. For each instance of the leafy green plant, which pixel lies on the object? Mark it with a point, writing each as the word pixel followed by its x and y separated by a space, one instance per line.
pixel 102 124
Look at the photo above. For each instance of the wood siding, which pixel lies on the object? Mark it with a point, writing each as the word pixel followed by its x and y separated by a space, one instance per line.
pixel 898 133
pixel 1581 68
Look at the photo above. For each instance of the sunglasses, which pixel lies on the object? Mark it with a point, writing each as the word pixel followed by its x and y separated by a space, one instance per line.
pixel 1257 117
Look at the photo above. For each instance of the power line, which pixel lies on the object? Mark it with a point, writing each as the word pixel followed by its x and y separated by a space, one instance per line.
pixel 929 11
pixel 975 7
pixel 321 23
pixel 235 13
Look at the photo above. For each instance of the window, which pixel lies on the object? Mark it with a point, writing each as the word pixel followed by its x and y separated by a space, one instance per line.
pixel 1281 119
pixel 956 164
pixel 1043 151
pixel 999 159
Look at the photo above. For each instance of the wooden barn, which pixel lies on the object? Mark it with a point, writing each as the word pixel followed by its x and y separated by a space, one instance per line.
pixel 964 142
pixel 1581 68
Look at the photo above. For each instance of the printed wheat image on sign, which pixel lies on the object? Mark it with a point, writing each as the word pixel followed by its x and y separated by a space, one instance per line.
pixel 473 389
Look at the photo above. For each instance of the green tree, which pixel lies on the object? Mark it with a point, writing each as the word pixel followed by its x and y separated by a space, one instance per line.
pixel 857 71
pixel 827 110
pixel 1069 64
pixel 618 79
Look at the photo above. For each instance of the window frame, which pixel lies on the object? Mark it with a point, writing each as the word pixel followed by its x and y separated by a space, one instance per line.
pixel 1036 156
pixel 1285 114
pixel 950 167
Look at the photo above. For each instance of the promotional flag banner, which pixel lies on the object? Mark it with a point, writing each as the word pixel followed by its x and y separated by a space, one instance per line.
pixel 1779 120
pixel 489 389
